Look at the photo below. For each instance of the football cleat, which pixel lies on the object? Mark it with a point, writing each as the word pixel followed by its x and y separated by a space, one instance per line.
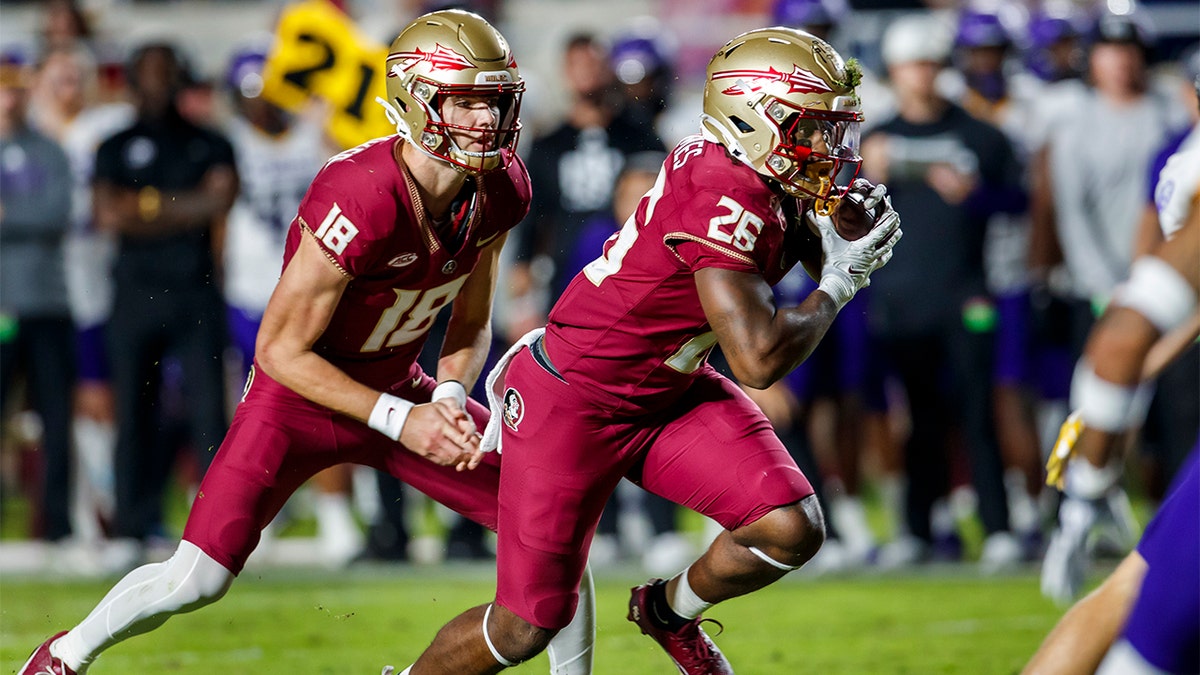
pixel 1065 566
pixel 42 662
pixel 690 648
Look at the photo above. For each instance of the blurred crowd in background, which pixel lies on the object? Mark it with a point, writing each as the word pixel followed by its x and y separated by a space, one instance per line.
pixel 1020 143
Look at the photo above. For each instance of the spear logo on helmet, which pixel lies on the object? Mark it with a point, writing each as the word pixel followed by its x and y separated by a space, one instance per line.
pixel 800 81
pixel 441 58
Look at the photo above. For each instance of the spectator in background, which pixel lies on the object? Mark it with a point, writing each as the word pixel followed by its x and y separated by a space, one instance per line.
pixel 65 25
pixel 575 166
pixel 1097 192
pixel 819 17
pixel 931 312
pixel 1097 189
pixel 982 47
pixel 64 104
pixel 1052 50
pixel 164 185
pixel 36 336
pixel 641 61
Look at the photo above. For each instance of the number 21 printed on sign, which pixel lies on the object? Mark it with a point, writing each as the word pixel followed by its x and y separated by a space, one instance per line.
pixel 320 53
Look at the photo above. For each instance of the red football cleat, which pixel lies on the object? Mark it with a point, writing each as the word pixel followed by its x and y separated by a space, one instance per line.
pixel 41 662
pixel 692 651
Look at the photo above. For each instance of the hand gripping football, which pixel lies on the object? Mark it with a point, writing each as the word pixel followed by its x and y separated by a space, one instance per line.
pixel 860 209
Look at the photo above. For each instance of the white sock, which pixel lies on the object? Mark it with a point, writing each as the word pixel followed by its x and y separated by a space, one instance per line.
pixel 340 535
pixel 1022 510
pixel 891 492
pixel 143 601
pixel 941 518
pixel 571 650
pixel 684 601
pixel 850 518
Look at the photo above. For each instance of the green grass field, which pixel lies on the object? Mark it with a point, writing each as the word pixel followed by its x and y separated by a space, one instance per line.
pixel 938 620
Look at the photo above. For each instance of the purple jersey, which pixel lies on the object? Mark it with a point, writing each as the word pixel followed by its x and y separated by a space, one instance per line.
pixel 364 211
pixel 630 325
pixel 1164 624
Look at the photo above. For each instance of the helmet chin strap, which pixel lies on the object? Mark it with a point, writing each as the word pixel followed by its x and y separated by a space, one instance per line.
pixel 393 116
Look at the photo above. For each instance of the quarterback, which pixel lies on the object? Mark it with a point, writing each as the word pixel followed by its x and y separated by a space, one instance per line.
pixel 389 233
pixel 618 384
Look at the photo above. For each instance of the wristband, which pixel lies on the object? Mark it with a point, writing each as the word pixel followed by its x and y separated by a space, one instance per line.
pixel 1084 480
pixel 1158 292
pixel 1104 405
pixel 452 389
pixel 838 285
pixel 389 414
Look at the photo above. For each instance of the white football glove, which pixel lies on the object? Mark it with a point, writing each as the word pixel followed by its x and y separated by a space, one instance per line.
pixel 848 264
pixel 861 190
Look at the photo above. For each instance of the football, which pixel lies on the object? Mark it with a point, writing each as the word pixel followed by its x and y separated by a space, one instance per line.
pixel 852 219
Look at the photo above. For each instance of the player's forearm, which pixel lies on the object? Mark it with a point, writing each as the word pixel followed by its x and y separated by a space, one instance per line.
pixel 1082 637
pixel 1169 347
pixel 319 381
pixel 464 353
pixel 765 354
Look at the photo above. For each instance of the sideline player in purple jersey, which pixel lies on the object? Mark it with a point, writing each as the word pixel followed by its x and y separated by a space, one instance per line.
pixel 618 384
pixel 1145 618
pixel 389 233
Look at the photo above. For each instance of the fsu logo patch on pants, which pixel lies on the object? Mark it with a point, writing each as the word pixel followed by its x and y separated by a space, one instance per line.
pixel 514 408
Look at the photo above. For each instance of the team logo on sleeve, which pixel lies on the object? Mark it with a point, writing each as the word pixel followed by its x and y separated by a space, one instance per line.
pixel 514 408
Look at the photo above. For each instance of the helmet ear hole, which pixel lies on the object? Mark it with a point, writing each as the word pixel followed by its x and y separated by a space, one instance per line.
pixel 401 104
pixel 741 124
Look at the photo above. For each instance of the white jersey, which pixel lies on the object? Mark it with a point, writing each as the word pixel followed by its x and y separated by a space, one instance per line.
pixel 274 173
pixel 87 253
pixel 1179 184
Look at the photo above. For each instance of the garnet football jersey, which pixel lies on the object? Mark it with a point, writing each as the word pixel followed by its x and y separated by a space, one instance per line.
pixel 630 325
pixel 365 214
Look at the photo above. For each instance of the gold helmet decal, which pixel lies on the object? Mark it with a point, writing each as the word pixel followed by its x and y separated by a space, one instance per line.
pixel 784 102
pixel 751 81
pixel 454 53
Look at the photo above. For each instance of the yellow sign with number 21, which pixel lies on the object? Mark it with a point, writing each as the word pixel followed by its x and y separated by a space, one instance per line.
pixel 319 52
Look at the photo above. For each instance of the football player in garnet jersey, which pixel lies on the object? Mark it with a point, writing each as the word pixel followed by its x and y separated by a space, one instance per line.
pixel 617 385
pixel 389 233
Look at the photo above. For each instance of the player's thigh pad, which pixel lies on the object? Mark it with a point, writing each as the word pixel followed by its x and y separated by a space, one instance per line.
pixel 562 459
pixel 719 456
pixel 267 454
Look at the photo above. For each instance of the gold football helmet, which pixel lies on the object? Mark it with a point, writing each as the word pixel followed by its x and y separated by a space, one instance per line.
pixel 784 102
pixel 453 53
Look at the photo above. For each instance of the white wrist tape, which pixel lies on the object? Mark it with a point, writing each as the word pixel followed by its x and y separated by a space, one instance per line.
pixel 838 286
pixel 1104 405
pixel 1085 480
pixel 389 414
pixel 451 389
pixel 1158 292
